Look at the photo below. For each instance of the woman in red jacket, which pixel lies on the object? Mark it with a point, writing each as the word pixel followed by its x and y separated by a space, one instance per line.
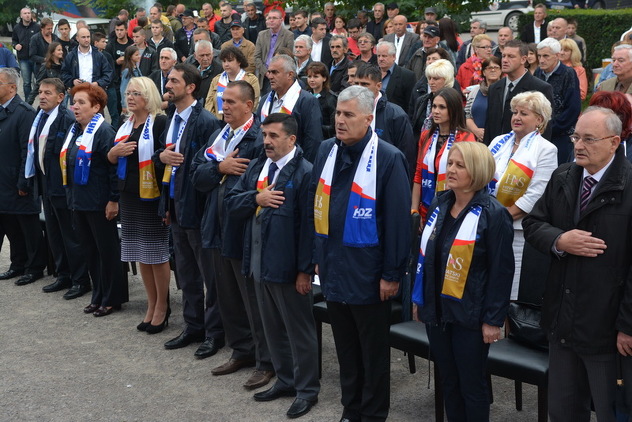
pixel 471 72
pixel 448 126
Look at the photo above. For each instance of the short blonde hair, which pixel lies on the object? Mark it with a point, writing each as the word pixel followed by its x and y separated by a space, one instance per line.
pixel 478 161
pixel 441 69
pixel 576 56
pixel 149 92
pixel 476 41
pixel 537 103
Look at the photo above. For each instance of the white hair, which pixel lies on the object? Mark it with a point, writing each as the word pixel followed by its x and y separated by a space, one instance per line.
pixel 203 44
pixel 172 52
pixel 550 43
pixel 309 43
pixel 364 95
pixel 392 50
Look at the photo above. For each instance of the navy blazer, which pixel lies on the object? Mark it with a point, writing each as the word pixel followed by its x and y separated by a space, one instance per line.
pixel 400 86
pixel 101 70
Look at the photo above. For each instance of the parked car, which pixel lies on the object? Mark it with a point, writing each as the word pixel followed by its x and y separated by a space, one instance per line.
pixel 590 4
pixel 504 13
pixel 95 25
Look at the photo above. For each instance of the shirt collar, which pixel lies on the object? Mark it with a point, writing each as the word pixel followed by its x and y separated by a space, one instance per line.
pixel 5 105
pixel 598 175
pixel 186 113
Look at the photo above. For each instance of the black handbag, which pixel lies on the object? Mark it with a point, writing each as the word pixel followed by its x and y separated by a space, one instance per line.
pixel 524 325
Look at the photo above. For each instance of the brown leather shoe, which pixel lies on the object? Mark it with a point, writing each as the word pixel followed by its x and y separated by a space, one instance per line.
pixel 258 379
pixel 233 365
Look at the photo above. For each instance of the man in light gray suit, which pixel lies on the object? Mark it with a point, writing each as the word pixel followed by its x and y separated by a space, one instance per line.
pixel 268 42
pixel 402 39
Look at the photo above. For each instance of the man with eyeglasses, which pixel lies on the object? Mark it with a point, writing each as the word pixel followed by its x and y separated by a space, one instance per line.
pixel 376 26
pixel 268 42
pixel 583 221
pixel 477 27
pixel 354 29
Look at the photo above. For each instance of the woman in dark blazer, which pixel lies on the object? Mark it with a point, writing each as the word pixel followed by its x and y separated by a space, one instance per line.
pixel 93 195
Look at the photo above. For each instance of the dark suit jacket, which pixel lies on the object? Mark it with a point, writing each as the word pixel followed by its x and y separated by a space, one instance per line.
pixel 499 118
pixel 400 86
pixel 409 40
pixel 262 48
pixel 325 54
pixel 527 35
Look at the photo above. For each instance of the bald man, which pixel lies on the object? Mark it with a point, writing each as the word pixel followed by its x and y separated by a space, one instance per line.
pixel 402 39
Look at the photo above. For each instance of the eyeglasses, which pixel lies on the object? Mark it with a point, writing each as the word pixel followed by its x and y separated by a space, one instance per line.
pixel 133 93
pixel 363 41
pixel 588 141
pixel 486 47
pixel 492 68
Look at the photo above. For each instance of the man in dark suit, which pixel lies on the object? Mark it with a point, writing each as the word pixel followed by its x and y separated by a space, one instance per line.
pixel 584 220
pixel 72 73
pixel 48 138
pixel 518 80
pixel 401 39
pixel 339 64
pixel 397 82
pixel 288 97
pixel 535 31
pixel 320 42
pixel 268 42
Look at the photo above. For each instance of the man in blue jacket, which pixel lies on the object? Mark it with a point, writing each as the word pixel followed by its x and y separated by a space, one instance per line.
pixel 216 169
pixel 91 66
pixel 48 138
pixel 360 190
pixel 182 205
pixel 271 202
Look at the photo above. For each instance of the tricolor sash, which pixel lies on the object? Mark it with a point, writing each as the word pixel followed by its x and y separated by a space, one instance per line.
pixel 219 150
pixel 289 101
pixel 513 172
pixel 148 187
pixel 84 155
pixel 430 184
pixel 360 227
pixel 29 169
pixel 169 176
pixel 262 181
pixel 459 259
pixel 221 86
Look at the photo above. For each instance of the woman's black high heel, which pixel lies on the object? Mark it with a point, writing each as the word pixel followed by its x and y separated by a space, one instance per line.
pixel 143 326
pixel 155 329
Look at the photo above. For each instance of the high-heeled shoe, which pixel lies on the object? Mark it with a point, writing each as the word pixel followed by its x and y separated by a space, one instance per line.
pixel 155 329
pixel 143 326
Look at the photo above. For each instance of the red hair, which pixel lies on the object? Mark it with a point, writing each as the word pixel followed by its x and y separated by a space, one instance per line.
pixel 617 102
pixel 96 94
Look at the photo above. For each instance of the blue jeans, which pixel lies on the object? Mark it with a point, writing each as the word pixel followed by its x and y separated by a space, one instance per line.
pixel 27 69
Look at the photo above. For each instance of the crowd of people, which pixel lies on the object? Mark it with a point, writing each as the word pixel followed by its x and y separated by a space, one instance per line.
pixel 253 159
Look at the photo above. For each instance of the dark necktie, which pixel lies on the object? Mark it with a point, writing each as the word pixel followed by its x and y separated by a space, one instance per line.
pixel 587 186
pixel 41 124
pixel 271 171
pixel 177 120
pixel 231 134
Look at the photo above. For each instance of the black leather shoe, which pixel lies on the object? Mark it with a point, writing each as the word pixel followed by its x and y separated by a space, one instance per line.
pixel 183 340
pixel 300 407
pixel 209 347
pixel 28 279
pixel 77 290
pixel 59 284
pixel 10 274
pixel 273 394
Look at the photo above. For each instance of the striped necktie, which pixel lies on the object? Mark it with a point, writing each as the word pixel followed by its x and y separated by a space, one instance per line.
pixel 587 186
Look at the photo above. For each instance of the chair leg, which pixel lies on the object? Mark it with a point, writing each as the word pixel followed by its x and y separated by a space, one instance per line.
pixel 439 412
pixel 518 388
pixel 319 337
pixel 411 363
pixel 543 403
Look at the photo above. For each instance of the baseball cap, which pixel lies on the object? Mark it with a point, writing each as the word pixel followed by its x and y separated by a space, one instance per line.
pixel 392 6
pixel 432 30
pixel 188 13
pixel 235 23
pixel 430 10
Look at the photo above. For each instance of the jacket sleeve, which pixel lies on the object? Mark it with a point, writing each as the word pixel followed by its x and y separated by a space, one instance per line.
pixel 105 74
pixel 547 163
pixel 34 53
pixel 568 113
pixel 205 174
pixel 500 266
pixel 107 142
pixel 404 139
pixel 310 126
pixel 624 318
pixel 260 65
pixel 240 200
pixel 67 70
pixel 25 117
pixel 395 207
pixel 306 233
pixel 538 230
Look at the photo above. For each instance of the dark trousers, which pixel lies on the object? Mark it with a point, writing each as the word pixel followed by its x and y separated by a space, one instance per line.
pixel 28 251
pixel 288 321
pixel 574 379
pixel 70 262
pixel 195 271
pixel 99 240
pixel 364 355
pixel 240 312
pixel 461 356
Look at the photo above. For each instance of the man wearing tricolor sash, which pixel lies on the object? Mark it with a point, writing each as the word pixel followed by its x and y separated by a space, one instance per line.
pixel 47 135
pixel 19 203
pixel 288 97
pixel 216 169
pixel 361 200
pixel 271 202
pixel 189 127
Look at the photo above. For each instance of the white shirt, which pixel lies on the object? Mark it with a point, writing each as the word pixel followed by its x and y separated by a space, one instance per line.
pixel 184 115
pixel 399 42
pixel 281 163
pixel 536 33
pixel 85 64
pixel 317 49
pixel 277 103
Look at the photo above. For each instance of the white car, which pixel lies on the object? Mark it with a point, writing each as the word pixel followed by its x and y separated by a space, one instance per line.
pixel 504 13
pixel 95 24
